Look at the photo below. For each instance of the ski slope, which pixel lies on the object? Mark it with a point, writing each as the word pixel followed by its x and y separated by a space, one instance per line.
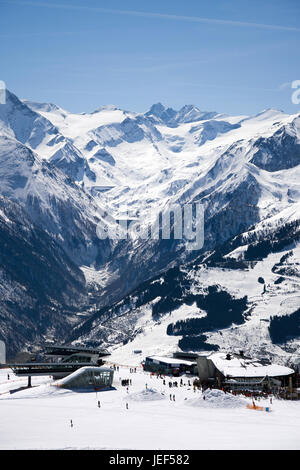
pixel 39 418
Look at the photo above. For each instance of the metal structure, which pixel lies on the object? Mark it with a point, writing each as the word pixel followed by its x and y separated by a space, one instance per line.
pixel 68 360
pixel 96 378
pixel 64 351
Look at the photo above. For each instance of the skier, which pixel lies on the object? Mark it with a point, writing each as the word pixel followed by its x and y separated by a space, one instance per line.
pixel 99 404
pixel 71 422
pixel 173 397
pixel 126 406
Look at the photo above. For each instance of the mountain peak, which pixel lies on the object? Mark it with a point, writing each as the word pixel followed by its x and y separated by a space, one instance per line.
pixel 191 113
pixel 41 107
pixel 157 107
pixel 189 107
pixel 269 113
pixel 106 107
pixel 166 115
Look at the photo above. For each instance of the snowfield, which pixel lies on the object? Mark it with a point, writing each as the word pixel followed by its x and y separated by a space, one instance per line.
pixel 217 399
pixel 39 418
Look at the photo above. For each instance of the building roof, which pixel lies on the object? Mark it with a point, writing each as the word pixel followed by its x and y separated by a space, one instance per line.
pixel 239 366
pixel 45 368
pixel 58 350
pixel 186 355
pixel 171 360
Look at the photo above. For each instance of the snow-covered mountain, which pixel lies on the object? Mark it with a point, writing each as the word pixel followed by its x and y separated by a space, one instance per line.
pixel 65 169
pixel 245 298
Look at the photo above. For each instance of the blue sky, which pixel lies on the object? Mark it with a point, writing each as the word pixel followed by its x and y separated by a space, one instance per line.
pixel 234 56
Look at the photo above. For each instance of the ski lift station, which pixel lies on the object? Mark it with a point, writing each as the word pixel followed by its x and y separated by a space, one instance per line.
pixel 78 367
pixel 88 377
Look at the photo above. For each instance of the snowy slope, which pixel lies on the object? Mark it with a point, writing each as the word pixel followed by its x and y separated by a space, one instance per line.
pixel 39 418
pixel 51 199
pixel 64 168
pixel 268 280
pixel 147 161
pixel 149 165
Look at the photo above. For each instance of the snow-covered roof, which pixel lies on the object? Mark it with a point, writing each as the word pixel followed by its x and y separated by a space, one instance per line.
pixel 239 366
pixel 170 360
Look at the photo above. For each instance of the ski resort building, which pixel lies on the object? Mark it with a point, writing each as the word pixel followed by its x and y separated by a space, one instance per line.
pixel 169 365
pixel 96 378
pixel 75 354
pixel 67 359
pixel 238 372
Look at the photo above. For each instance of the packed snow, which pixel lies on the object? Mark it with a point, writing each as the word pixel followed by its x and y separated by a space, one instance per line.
pixel 217 399
pixel 148 394
pixel 40 417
